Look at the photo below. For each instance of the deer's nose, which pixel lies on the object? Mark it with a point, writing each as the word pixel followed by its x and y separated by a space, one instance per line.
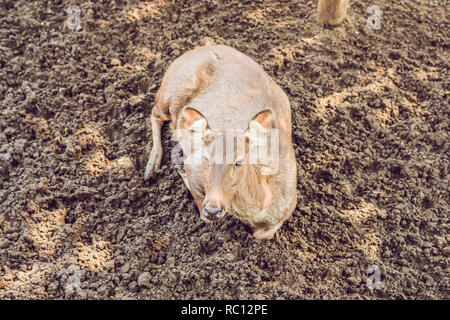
pixel 213 213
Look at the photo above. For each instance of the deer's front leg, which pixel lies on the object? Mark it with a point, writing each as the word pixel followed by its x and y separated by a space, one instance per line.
pixel 267 233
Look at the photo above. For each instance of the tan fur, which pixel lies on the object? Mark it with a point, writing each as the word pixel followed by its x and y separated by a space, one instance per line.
pixel 267 189
pixel 247 192
pixel 230 90
pixel 250 201
pixel 332 12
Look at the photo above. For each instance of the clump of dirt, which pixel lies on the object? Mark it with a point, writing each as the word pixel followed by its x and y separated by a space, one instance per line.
pixel 370 127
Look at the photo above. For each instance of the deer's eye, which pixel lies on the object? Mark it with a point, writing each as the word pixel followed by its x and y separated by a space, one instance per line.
pixel 238 163
pixel 206 161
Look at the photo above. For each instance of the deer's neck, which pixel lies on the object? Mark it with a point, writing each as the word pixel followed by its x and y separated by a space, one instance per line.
pixel 265 202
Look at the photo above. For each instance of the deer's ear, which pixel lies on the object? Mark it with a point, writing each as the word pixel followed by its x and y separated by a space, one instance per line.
pixel 193 121
pixel 263 142
pixel 261 123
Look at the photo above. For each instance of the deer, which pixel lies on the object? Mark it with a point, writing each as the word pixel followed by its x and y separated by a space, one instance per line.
pixel 332 12
pixel 232 124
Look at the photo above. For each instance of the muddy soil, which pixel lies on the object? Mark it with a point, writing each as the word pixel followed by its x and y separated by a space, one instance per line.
pixel 370 129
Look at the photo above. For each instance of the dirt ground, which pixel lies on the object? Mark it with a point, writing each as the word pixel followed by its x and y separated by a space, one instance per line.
pixel 370 129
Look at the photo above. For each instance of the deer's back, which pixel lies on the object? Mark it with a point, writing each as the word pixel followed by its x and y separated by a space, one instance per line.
pixel 225 85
